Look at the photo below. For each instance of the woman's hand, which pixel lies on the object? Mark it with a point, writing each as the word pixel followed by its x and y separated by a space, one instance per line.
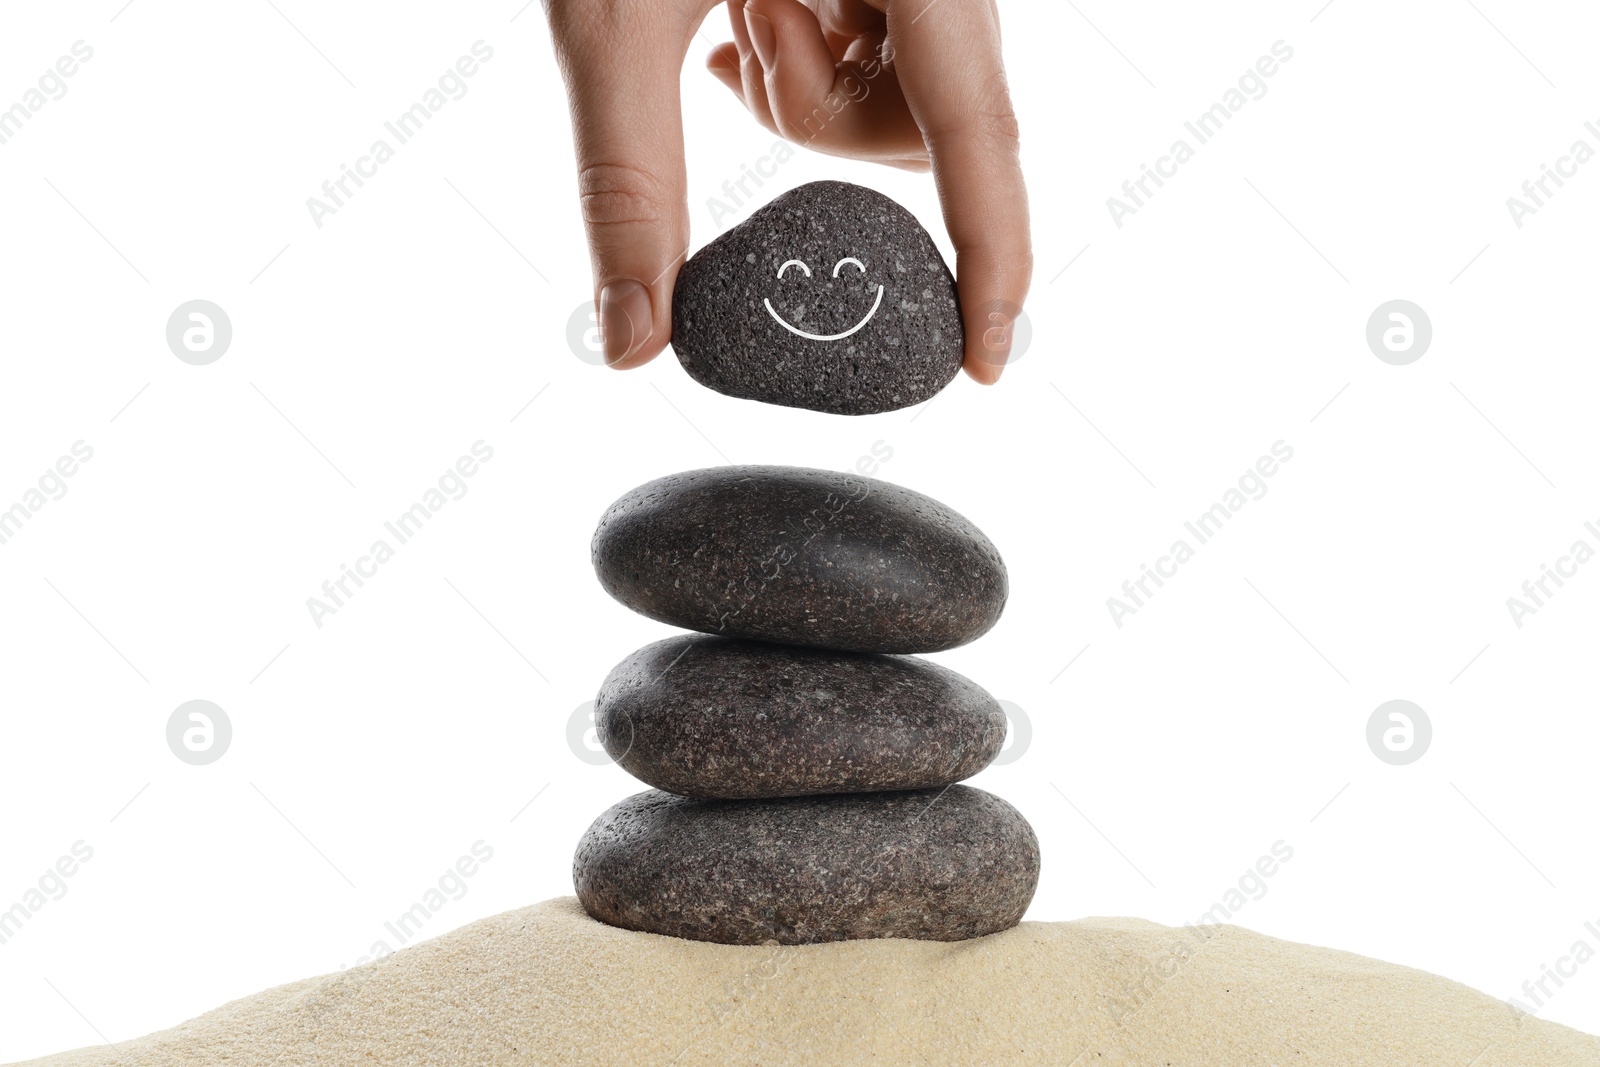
pixel 917 84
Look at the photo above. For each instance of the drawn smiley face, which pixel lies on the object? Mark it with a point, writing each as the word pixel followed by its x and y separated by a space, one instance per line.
pixel 824 336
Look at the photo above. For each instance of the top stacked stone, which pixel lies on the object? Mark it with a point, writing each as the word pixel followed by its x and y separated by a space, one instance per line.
pixel 803 557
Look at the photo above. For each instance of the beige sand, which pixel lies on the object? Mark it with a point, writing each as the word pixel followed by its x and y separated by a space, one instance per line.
pixel 549 985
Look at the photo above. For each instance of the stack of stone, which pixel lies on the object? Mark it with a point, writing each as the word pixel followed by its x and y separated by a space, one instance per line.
pixel 803 762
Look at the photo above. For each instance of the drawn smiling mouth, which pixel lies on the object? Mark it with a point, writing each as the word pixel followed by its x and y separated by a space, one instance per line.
pixel 823 336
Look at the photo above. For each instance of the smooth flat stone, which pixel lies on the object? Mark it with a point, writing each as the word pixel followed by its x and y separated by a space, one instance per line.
pixel 832 297
pixel 936 865
pixel 801 557
pixel 715 717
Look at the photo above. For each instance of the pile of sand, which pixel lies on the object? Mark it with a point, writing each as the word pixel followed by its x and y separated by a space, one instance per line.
pixel 549 985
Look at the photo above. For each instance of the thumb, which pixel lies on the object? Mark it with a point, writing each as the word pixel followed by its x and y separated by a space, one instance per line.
pixel 622 85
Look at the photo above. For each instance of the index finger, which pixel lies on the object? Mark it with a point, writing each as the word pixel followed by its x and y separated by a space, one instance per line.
pixel 947 54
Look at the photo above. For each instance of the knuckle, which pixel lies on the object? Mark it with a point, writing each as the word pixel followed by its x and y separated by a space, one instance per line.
pixel 992 111
pixel 987 115
pixel 1001 125
pixel 614 194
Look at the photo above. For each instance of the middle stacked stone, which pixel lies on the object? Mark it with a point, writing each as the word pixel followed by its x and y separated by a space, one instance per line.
pixel 804 765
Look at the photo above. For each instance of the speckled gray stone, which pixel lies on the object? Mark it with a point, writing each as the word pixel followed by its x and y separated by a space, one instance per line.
pixel 714 717
pixel 801 557
pixel 937 865
pixel 846 256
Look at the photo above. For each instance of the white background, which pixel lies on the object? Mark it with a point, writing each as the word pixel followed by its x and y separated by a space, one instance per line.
pixel 369 754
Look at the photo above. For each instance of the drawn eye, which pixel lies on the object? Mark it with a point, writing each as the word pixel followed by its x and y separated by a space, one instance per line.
pixel 862 267
pixel 796 263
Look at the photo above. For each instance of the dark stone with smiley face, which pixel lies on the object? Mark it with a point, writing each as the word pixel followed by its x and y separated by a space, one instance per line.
pixel 801 557
pixel 712 717
pixel 832 297
pixel 933 864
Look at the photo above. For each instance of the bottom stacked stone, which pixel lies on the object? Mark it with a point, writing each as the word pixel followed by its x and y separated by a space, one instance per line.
pixel 933 864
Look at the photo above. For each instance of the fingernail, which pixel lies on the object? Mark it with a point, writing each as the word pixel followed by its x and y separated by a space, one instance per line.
pixel 762 38
pixel 624 318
